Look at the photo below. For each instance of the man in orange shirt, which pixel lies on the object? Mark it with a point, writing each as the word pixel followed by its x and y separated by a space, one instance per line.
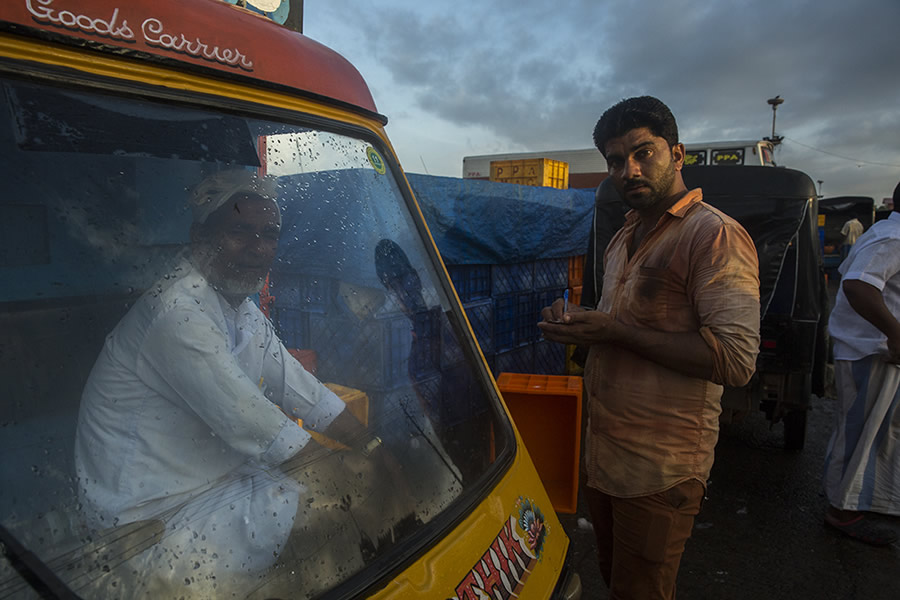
pixel 678 319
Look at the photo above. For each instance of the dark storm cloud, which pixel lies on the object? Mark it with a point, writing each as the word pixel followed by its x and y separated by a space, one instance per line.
pixel 492 65
pixel 538 74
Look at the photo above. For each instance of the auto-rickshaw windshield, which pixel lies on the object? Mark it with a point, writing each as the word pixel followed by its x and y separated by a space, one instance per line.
pixel 229 364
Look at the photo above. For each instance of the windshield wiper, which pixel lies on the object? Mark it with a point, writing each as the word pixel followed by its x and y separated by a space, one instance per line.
pixel 33 570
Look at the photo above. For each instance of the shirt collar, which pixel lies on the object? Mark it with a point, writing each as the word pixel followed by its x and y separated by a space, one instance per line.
pixel 690 198
pixel 679 209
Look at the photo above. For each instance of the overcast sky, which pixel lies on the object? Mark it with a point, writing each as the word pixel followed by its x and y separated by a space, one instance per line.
pixel 481 77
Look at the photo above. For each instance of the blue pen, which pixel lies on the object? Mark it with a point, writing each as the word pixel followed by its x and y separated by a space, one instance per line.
pixel 566 301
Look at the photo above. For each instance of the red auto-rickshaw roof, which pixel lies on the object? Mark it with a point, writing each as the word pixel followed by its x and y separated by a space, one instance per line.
pixel 203 33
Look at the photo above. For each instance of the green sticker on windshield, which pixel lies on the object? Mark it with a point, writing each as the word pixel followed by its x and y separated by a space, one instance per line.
pixel 375 160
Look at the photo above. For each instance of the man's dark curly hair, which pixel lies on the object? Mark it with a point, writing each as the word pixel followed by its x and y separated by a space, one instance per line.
pixel 632 113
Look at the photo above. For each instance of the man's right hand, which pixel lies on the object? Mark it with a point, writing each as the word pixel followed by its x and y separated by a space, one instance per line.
pixel 893 346
pixel 578 325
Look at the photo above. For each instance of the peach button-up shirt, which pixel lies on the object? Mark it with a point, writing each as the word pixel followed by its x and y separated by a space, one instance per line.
pixel 650 427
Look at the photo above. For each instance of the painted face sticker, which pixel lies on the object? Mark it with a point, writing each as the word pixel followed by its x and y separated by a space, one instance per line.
pixel 375 160
pixel 503 569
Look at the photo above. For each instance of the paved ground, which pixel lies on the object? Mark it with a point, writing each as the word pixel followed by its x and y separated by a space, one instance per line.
pixel 760 534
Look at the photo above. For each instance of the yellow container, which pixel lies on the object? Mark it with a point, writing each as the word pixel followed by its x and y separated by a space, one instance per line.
pixel 357 401
pixel 532 171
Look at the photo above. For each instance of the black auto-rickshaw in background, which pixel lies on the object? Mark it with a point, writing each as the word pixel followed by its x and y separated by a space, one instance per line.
pixel 833 214
pixel 778 208
pixel 882 212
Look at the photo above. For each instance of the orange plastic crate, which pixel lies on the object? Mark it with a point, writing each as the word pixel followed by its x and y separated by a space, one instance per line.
pixel 576 270
pixel 547 412
pixel 575 295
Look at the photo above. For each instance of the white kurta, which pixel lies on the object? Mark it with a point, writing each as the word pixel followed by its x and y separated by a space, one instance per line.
pixel 179 418
pixel 862 465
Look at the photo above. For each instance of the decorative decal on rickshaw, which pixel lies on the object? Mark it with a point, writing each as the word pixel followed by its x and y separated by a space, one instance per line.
pixel 532 522
pixel 505 566
pixel 153 31
pixel 375 160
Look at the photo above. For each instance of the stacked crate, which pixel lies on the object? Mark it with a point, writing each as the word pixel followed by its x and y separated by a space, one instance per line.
pixel 576 278
pixel 503 304
pixel 551 277
pixel 473 286
pixel 307 313
pixel 515 324
pixel 576 281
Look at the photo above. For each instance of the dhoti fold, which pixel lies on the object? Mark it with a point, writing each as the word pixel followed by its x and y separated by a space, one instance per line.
pixel 862 464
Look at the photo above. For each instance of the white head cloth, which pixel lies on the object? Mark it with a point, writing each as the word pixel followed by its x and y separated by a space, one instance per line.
pixel 212 193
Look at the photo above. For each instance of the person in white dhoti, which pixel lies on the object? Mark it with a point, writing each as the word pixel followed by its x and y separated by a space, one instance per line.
pixel 862 466
pixel 189 414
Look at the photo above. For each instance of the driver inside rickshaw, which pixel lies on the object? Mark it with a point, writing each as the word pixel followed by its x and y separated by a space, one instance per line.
pixel 189 415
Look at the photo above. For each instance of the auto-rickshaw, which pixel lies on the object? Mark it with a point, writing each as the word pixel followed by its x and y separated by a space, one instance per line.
pixel 834 213
pixel 111 114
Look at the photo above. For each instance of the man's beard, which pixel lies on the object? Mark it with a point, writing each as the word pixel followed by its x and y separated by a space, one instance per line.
pixel 234 287
pixel 228 284
pixel 658 190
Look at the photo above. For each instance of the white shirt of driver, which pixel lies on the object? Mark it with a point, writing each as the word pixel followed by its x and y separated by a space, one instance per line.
pixel 179 414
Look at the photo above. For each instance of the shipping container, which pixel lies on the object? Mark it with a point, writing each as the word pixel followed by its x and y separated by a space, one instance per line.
pixel 532 171
pixel 586 167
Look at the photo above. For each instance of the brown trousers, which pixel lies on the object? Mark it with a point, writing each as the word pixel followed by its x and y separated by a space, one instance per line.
pixel 640 540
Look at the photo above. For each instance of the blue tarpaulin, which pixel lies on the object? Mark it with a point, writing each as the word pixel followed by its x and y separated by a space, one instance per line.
pixel 482 222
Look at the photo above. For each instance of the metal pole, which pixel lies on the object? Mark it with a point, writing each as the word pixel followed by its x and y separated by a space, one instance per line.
pixel 774 102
